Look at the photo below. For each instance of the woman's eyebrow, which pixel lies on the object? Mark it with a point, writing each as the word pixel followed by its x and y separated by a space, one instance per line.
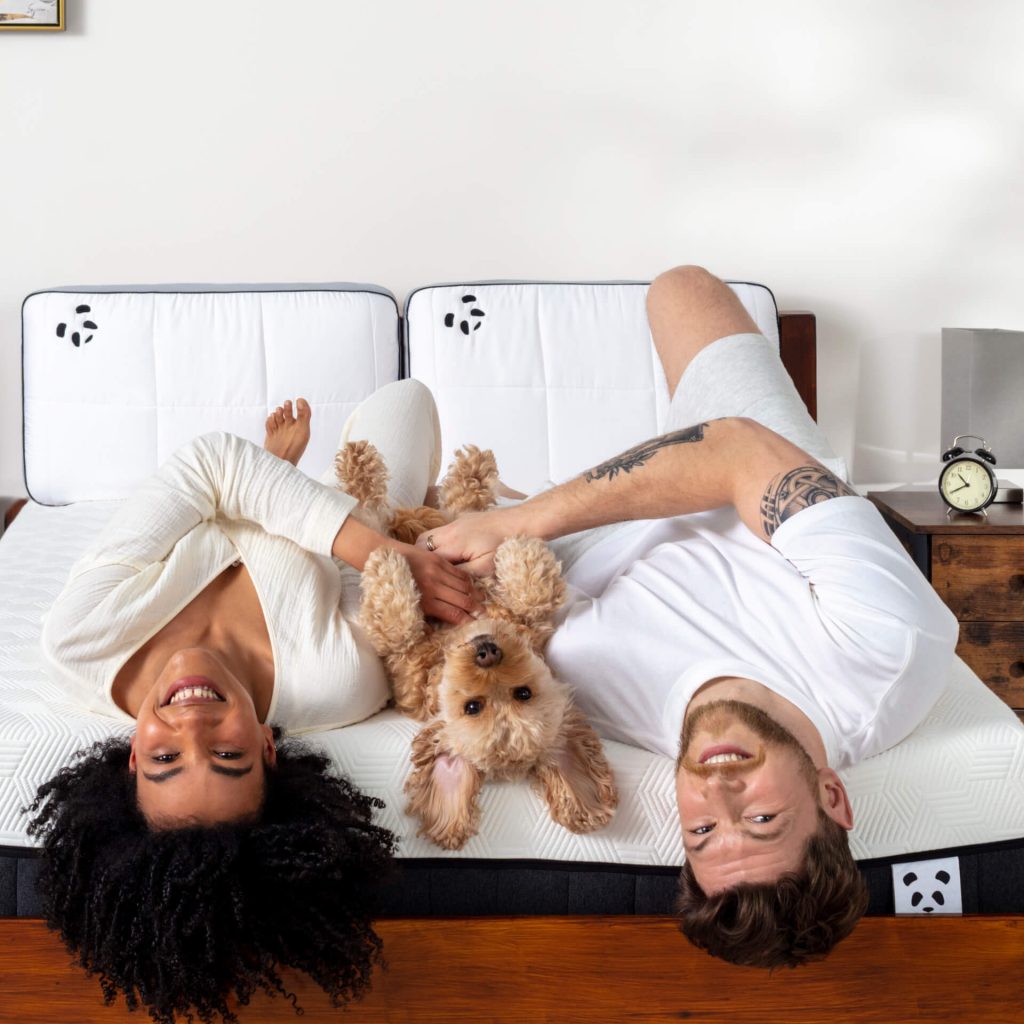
pixel 163 776
pixel 234 773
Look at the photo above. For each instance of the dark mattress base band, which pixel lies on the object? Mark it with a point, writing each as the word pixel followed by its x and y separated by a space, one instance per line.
pixel 991 878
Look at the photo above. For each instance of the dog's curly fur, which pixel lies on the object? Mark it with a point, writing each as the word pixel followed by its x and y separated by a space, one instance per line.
pixel 491 705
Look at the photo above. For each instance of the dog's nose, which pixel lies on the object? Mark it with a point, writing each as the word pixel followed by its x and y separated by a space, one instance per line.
pixel 488 653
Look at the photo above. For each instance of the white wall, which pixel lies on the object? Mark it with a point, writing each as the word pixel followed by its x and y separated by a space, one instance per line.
pixel 864 159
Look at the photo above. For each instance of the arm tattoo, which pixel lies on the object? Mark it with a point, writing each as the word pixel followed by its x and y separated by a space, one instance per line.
pixel 639 454
pixel 789 493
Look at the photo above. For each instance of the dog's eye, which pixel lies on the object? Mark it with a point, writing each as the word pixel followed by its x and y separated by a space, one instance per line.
pixel 522 693
pixel 473 707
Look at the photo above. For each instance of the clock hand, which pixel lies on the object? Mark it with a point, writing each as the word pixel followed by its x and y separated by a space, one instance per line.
pixel 960 488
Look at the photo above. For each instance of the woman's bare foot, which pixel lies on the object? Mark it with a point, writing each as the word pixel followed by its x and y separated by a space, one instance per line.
pixel 288 432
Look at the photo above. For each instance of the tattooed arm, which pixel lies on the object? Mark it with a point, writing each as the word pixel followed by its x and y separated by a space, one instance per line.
pixel 725 462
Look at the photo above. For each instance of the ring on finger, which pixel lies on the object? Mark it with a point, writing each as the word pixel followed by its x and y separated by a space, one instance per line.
pixel 431 546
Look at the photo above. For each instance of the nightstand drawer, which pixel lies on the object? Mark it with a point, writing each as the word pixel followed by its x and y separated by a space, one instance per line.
pixel 980 577
pixel 995 650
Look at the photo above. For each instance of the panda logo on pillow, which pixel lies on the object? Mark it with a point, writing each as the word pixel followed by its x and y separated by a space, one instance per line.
pixel 470 321
pixel 84 328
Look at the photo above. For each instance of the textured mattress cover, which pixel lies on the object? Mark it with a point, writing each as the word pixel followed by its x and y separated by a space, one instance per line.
pixel 117 378
pixel 957 781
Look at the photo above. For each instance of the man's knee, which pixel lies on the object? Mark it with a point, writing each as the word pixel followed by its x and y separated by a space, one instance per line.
pixel 686 283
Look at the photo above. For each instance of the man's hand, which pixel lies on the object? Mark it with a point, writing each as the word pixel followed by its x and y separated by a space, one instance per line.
pixel 446 591
pixel 472 539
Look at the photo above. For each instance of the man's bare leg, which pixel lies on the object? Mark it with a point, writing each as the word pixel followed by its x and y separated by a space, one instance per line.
pixel 288 432
pixel 688 309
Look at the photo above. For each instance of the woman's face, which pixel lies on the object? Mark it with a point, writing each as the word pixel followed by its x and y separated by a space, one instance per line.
pixel 199 750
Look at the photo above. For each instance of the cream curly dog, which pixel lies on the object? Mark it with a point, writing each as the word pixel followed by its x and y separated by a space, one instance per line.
pixel 491 705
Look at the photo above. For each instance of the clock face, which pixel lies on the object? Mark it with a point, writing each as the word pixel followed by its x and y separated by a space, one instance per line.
pixel 966 485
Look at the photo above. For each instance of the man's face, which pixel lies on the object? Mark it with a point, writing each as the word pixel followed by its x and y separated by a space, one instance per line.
pixel 748 796
pixel 199 750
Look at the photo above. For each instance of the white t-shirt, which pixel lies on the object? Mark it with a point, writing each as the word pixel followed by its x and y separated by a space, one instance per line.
pixel 832 615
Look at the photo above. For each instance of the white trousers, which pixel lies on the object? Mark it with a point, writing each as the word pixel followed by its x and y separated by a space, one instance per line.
pixel 400 420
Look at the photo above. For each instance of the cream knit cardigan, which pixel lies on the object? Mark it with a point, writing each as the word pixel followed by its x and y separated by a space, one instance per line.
pixel 217 500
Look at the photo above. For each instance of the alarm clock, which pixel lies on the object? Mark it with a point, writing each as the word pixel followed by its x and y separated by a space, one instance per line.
pixel 967 482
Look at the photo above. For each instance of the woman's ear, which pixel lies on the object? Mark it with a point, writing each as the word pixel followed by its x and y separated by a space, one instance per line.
pixel 269 749
pixel 132 764
pixel 835 801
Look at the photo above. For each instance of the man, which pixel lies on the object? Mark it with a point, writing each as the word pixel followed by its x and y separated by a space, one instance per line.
pixel 765 629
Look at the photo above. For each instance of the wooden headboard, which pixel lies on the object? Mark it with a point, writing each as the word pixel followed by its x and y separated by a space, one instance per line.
pixel 798 349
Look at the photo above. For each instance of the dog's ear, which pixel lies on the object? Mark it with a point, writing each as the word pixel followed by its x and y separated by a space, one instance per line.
pixel 538 635
pixel 432 689
pixel 408 523
pixel 442 789
pixel 575 779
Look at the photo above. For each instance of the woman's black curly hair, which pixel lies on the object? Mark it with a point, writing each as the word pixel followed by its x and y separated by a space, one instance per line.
pixel 181 920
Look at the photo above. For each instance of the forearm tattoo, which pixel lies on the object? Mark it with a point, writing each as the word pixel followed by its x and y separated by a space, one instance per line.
pixel 791 492
pixel 639 454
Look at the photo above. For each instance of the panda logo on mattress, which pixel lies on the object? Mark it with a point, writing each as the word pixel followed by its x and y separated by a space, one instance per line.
pixel 82 326
pixel 465 324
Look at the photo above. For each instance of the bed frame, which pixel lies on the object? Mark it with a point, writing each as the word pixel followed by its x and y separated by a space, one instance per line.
pixel 548 966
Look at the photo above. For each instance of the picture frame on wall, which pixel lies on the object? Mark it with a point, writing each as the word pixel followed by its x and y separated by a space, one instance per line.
pixel 29 15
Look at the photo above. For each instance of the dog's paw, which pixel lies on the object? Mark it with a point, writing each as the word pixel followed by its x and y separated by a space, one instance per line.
pixel 528 579
pixel 471 483
pixel 390 611
pixel 360 471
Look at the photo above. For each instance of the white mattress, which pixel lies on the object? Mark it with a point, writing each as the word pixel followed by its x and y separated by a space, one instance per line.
pixel 116 379
pixel 957 781
pixel 556 374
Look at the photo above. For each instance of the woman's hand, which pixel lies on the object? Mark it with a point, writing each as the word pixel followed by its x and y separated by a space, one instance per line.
pixel 472 539
pixel 446 592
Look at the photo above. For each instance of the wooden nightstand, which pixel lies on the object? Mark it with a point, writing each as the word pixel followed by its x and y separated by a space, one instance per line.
pixel 9 507
pixel 976 564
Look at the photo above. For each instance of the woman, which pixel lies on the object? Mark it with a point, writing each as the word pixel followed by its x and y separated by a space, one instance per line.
pixel 185 864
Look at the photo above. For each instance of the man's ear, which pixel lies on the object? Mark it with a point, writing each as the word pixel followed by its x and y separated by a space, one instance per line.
pixel 269 750
pixel 835 801
pixel 132 764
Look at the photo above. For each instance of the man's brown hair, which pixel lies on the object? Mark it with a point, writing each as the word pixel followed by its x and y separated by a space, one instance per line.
pixel 795 919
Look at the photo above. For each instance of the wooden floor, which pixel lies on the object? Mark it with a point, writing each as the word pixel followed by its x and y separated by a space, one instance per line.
pixel 600 970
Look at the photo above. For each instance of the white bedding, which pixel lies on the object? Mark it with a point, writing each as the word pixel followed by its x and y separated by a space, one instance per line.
pixel 161 365
pixel 570 377
pixel 957 781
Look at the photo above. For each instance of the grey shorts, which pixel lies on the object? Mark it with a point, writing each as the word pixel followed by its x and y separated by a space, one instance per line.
pixel 742 375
